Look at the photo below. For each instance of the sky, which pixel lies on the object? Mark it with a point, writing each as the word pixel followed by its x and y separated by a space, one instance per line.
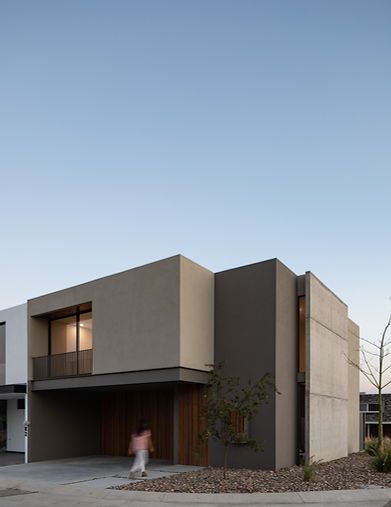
pixel 228 131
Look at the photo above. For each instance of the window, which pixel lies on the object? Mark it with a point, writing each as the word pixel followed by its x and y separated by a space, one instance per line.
pixel 369 407
pixel 21 404
pixel 240 426
pixel 70 334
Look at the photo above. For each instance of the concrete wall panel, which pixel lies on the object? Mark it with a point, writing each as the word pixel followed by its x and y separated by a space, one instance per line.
pixel 354 388
pixel 326 372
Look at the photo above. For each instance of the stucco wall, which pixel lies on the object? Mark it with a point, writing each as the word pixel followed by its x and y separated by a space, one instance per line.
pixel 156 316
pixel 196 315
pixel 326 372
pixel 135 317
pixel 16 344
pixel 63 424
pixel 354 388
pixel 245 327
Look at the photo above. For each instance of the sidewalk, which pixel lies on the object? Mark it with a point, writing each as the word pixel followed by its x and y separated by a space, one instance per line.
pixel 36 494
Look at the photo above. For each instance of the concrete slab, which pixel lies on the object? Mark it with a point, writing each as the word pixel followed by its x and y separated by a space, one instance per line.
pixel 94 471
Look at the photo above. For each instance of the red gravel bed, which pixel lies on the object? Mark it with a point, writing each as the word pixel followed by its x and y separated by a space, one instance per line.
pixel 353 472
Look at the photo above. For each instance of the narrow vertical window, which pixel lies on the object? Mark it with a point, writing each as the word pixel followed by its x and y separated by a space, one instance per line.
pixel 301 334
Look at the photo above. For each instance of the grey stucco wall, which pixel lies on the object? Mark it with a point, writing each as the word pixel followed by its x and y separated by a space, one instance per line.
pixel 245 327
pixel 326 372
pixel 63 424
pixel 353 388
pixel 286 366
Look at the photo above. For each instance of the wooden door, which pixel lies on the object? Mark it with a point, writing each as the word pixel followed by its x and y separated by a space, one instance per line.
pixel 122 411
pixel 192 450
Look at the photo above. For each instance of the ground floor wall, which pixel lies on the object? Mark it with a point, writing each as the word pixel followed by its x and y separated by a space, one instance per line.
pixel 15 425
pixel 63 424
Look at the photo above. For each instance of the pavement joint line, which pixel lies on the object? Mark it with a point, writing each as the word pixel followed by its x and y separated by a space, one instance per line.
pixel 89 480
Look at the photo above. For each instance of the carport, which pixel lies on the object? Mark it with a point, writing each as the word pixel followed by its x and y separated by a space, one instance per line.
pixel 99 420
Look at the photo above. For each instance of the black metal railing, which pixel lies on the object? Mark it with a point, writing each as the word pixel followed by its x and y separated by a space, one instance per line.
pixel 70 364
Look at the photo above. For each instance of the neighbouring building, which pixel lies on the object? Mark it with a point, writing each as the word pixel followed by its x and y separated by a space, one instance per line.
pixel 369 409
pixel 138 344
pixel 13 378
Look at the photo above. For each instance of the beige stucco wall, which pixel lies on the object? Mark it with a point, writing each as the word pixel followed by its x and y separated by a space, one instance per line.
pixel 155 316
pixel 196 315
pixel 135 317
pixel 354 388
pixel 326 372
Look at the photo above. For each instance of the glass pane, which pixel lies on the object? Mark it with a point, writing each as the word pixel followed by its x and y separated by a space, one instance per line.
pixel 86 331
pixel 63 335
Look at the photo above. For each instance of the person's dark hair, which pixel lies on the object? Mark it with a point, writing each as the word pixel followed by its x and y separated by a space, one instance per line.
pixel 142 426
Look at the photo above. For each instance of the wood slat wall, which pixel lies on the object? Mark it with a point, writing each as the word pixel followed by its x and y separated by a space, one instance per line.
pixel 192 451
pixel 121 412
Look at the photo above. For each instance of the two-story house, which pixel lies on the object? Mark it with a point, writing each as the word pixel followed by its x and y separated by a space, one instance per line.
pixel 105 353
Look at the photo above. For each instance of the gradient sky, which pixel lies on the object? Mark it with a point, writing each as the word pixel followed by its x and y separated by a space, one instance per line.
pixel 228 131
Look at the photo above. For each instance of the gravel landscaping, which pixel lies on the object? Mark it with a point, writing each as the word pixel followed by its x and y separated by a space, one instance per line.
pixel 353 472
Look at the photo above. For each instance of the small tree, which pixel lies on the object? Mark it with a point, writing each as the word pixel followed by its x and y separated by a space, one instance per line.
pixel 376 369
pixel 226 402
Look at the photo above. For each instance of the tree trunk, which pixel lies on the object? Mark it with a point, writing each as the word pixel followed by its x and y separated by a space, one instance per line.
pixel 225 460
pixel 380 439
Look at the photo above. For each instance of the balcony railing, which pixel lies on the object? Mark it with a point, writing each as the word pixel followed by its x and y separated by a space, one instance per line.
pixel 70 364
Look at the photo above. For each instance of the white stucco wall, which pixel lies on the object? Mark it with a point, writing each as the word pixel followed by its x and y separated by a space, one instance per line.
pixel 327 380
pixel 15 319
pixel 15 427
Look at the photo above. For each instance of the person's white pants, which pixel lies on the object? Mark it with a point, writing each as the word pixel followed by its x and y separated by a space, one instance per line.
pixel 140 460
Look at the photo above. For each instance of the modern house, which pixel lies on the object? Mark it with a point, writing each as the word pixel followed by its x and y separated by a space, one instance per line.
pixel 369 409
pixel 105 353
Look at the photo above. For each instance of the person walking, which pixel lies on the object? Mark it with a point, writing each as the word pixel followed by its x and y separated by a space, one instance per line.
pixel 140 445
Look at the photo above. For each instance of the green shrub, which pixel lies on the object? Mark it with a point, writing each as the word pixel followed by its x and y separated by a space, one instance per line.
pixel 382 461
pixel 310 471
pixel 370 446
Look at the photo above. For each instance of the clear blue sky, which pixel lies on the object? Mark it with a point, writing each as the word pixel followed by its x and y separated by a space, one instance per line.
pixel 229 131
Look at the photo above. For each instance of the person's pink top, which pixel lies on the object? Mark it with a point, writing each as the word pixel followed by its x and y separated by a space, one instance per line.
pixel 141 442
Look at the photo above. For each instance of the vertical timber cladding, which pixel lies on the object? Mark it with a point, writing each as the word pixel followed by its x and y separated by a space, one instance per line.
pixel 192 450
pixel 121 413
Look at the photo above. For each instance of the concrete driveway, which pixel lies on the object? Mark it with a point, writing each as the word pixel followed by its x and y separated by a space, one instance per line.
pixel 91 471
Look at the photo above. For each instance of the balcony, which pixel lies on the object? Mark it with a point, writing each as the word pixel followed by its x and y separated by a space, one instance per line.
pixel 70 364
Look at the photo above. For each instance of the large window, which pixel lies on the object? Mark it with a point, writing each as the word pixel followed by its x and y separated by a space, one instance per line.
pixel 70 334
